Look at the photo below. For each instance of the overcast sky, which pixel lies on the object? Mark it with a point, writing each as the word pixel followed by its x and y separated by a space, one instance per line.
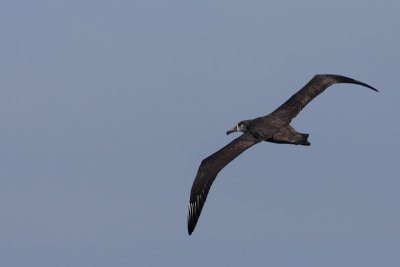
pixel 108 107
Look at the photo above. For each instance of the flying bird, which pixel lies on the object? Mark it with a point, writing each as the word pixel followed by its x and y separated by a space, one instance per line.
pixel 274 128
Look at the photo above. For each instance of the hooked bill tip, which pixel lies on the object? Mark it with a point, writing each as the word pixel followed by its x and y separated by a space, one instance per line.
pixel 231 130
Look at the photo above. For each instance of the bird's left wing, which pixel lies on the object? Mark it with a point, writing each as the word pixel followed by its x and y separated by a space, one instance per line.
pixel 208 170
pixel 291 108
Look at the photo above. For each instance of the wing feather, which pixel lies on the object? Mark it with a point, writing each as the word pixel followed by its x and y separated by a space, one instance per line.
pixel 209 169
pixel 289 110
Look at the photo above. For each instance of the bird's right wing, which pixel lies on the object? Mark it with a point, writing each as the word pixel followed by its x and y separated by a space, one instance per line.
pixel 208 170
pixel 288 110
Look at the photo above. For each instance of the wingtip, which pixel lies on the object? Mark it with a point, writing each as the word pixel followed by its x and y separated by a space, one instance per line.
pixel 190 223
pixel 376 90
pixel 344 79
pixel 190 227
pixel 368 86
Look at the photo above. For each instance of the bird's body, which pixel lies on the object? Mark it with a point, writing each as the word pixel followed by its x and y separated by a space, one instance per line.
pixel 274 128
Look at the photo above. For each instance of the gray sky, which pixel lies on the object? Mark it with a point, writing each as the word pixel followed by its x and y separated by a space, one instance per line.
pixel 108 107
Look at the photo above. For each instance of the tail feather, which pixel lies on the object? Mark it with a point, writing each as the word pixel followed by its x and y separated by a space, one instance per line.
pixel 304 140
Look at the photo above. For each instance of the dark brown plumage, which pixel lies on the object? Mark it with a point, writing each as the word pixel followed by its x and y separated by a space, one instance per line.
pixel 271 128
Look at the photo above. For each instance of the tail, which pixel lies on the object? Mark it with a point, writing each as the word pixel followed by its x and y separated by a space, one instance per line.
pixel 304 140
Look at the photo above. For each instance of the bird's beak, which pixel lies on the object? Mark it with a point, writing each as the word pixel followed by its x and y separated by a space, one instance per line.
pixel 234 129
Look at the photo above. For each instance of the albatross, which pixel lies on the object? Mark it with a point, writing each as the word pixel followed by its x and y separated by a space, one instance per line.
pixel 274 128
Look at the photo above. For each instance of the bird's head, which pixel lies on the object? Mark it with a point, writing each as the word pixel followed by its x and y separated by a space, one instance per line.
pixel 240 127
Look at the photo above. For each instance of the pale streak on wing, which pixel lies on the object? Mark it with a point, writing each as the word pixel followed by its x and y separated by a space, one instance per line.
pixel 288 110
pixel 209 169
